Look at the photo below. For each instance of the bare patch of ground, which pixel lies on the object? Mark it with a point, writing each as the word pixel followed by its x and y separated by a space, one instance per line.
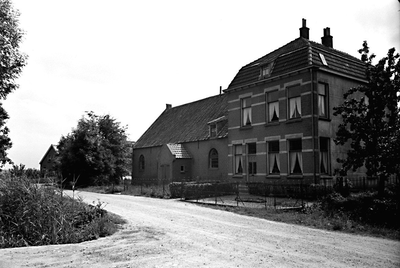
pixel 171 233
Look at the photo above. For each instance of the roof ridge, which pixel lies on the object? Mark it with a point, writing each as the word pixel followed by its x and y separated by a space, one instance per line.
pixel 190 103
pixel 276 50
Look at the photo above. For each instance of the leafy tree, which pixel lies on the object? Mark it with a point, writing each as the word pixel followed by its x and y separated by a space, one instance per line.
pixel 371 119
pixel 11 63
pixel 96 151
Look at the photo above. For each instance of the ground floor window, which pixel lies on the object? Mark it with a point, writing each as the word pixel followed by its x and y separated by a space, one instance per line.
pixel 141 163
pixel 238 150
pixel 295 156
pixel 252 158
pixel 213 158
pixel 274 163
pixel 324 155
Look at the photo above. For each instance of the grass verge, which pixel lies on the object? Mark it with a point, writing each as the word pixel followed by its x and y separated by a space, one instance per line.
pixel 317 216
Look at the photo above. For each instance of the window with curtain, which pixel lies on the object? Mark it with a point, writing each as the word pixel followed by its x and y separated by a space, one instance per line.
pixel 272 100
pixel 295 107
pixel 246 112
pixel 295 156
pixel 238 159
pixel 213 158
pixel 274 163
pixel 323 100
pixel 252 158
pixel 324 155
pixel 141 162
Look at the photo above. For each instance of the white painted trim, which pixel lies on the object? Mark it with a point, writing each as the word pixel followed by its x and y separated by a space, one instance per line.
pixel 272 138
pixel 252 140
pixel 245 95
pixel 293 136
pixel 258 103
pixel 258 95
pixel 293 83
pixel 271 89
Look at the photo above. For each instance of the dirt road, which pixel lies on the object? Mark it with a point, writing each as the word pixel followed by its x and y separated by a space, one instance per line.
pixel 170 233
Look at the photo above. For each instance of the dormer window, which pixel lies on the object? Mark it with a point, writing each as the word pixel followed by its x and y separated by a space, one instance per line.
pixel 216 126
pixel 213 130
pixel 266 70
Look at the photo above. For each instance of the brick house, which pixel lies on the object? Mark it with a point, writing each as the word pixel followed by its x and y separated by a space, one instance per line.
pixel 279 113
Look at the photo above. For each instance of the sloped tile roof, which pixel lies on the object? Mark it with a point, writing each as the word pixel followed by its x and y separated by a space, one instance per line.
pixel 300 53
pixel 52 147
pixel 178 150
pixel 186 123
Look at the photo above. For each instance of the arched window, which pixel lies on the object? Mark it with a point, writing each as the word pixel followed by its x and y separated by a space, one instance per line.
pixel 213 158
pixel 141 163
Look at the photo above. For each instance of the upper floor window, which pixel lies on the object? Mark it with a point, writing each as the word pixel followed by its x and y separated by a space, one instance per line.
pixel 274 162
pixel 213 158
pixel 252 158
pixel 272 107
pixel 323 100
pixel 141 163
pixel 246 112
pixel 294 102
pixel 295 107
pixel 295 156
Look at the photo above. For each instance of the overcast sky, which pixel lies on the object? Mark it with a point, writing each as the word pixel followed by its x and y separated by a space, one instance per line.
pixel 129 58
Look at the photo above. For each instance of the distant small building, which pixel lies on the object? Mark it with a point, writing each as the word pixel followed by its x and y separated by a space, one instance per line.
pixel 47 163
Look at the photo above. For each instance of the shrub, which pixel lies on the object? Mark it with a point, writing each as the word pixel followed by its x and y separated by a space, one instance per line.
pixel 31 215
pixel 365 207
pixel 194 190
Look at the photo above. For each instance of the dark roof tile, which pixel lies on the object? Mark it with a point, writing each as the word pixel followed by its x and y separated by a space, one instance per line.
pixel 185 123
pixel 298 54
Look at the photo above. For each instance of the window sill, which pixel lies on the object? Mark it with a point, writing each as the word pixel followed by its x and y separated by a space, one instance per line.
pixel 295 176
pixel 273 176
pixel 294 120
pixel 238 176
pixel 270 124
pixel 326 177
pixel 246 127
pixel 324 119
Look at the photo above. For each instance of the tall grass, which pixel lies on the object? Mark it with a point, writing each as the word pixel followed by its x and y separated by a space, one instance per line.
pixel 32 215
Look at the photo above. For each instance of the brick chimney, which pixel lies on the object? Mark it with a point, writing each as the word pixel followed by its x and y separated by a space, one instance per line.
pixel 304 31
pixel 327 39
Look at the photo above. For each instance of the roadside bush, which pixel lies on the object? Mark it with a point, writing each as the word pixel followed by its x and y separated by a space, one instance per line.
pixel 194 190
pixel 366 207
pixel 31 215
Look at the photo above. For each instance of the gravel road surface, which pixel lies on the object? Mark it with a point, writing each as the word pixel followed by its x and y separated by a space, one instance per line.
pixel 171 233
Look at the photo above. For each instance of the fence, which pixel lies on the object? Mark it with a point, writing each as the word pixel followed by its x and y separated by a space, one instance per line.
pixel 269 194
pixel 362 184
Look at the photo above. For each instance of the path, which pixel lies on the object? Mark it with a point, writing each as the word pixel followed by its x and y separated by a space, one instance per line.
pixel 171 233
